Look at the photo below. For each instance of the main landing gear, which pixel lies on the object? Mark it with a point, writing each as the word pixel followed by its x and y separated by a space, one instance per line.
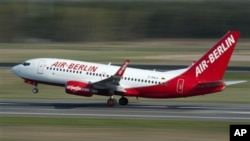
pixel 112 101
pixel 123 101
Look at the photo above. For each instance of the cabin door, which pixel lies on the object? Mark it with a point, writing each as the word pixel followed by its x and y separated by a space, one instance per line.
pixel 41 66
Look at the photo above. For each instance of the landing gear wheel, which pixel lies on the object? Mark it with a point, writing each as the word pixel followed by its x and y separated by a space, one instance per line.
pixel 123 101
pixel 35 90
pixel 111 102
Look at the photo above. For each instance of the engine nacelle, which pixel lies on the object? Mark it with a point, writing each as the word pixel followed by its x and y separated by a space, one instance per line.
pixel 78 88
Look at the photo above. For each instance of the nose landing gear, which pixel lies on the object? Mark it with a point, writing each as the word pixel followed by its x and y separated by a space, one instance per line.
pixel 35 90
pixel 34 83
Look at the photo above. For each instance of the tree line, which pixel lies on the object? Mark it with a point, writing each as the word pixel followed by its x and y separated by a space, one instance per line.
pixel 118 21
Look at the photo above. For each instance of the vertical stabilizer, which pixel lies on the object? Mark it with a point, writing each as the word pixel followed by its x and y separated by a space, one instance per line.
pixel 213 64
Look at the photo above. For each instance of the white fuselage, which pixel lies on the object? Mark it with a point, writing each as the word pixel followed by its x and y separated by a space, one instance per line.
pixel 59 71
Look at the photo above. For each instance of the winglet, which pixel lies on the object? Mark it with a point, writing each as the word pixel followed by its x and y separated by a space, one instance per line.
pixel 122 69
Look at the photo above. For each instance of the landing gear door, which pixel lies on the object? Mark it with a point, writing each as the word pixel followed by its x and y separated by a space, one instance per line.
pixel 41 66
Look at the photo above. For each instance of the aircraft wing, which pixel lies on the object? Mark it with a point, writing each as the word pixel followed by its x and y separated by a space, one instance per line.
pixel 112 83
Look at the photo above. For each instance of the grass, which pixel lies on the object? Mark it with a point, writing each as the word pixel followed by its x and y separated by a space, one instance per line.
pixel 48 128
pixel 172 51
pixel 125 123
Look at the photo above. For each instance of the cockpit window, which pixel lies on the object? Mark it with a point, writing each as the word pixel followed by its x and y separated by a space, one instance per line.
pixel 26 64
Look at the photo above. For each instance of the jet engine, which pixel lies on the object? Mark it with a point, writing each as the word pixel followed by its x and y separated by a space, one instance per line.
pixel 78 88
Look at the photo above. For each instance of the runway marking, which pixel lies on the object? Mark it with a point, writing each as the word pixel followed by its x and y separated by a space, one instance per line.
pixel 145 112
pixel 125 116
pixel 137 111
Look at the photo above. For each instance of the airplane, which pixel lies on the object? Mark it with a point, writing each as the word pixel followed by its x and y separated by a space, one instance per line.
pixel 86 78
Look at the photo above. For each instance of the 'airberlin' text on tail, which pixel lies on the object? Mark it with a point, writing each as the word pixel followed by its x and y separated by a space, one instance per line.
pixel 215 54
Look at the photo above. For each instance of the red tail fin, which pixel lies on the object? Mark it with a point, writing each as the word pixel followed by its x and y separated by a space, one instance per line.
pixel 212 65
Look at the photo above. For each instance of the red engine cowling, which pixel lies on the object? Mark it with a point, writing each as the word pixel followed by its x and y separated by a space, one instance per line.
pixel 78 88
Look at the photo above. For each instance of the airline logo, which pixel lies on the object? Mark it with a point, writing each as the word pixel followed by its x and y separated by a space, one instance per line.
pixel 77 88
pixel 73 66
pixel 214 55
pixel 74 88
pixel 121 71
pixel 123 68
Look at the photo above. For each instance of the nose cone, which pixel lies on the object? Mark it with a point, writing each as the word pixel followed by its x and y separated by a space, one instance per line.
pixel 16 70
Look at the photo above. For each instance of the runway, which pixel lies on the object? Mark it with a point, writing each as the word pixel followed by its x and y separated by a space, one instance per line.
pixel 136 110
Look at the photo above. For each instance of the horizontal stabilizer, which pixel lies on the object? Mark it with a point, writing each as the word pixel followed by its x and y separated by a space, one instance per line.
pixel 234 82
pixel 212 84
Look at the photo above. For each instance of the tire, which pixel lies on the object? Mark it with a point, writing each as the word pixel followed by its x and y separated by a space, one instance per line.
pixel 111 102
pixel 35 90
pixel 123 101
